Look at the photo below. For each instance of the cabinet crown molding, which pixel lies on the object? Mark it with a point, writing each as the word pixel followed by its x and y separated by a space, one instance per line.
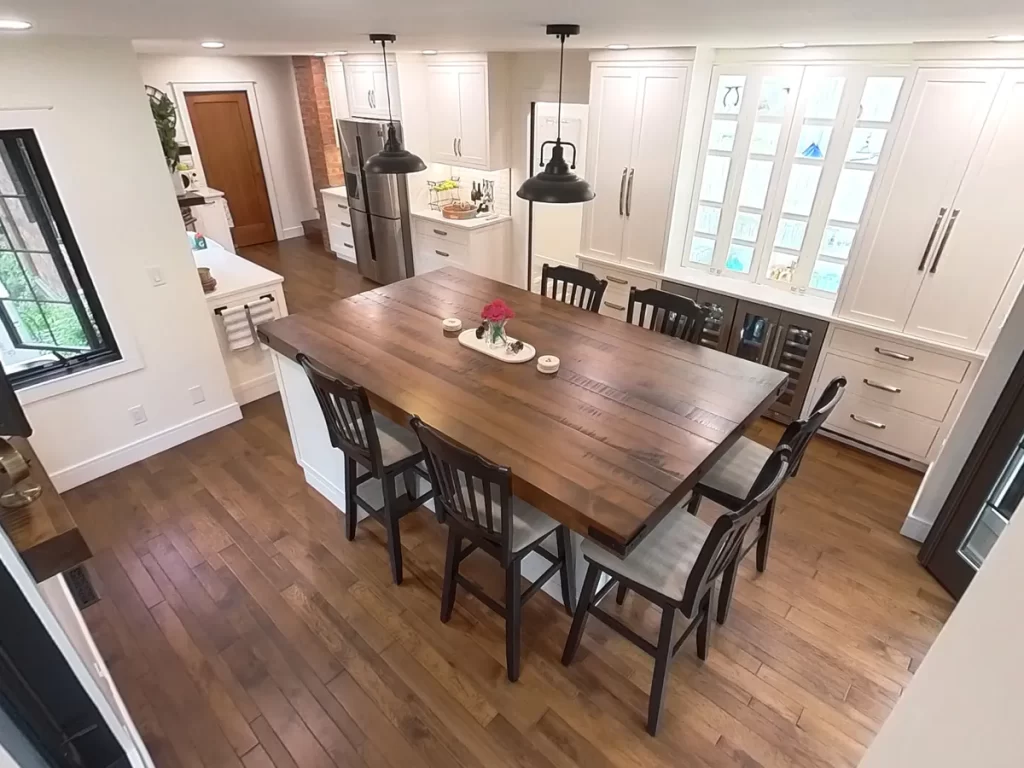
pixel 645 55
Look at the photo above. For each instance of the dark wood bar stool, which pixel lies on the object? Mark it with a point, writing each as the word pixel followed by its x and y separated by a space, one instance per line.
pixel 676 567
pixel 676 316
pixel 353 431
pixel 474 499
pixel 730 480
pixel 578 288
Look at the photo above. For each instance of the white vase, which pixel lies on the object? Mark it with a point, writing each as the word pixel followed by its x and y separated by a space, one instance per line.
pixel 179 187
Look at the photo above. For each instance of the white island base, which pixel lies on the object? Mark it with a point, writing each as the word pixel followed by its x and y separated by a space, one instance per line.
pixel 324 465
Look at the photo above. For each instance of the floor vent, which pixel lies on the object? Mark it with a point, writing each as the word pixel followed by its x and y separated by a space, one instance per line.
pixel 80 586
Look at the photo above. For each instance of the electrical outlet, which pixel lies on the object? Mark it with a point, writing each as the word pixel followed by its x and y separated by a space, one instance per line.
pixel 138 414
pixel 155 275
pixel 197 394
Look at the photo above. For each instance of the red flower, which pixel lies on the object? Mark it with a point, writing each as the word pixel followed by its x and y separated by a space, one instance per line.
pixel 497 311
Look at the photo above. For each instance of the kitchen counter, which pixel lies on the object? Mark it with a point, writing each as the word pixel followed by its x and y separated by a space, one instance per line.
pixel 234 274
pixel 480 222
pixel 336 191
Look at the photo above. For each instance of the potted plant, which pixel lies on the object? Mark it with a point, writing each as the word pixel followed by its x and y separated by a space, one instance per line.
pixel 165 116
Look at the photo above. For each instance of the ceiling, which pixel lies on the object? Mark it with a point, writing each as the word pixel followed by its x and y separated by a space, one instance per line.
pixel 308 26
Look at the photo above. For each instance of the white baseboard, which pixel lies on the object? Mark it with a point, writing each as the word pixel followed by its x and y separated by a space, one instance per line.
pixel 104 464
pixel 324 487
pixel 257 388
pixel 915 528
pixel 287 233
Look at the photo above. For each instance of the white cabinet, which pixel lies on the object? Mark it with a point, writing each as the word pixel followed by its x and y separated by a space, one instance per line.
pixel 635 126
pixel 467 126
pixel 484 250
pixel 366 88
pixel 945 234
pixel 340 237
pixel 616 295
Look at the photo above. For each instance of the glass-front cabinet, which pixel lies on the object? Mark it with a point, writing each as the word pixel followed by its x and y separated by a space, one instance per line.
pixel 788 163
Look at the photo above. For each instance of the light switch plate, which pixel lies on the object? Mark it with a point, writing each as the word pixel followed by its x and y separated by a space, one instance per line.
pixel 197 394
pixel 155 276
pixel 138 414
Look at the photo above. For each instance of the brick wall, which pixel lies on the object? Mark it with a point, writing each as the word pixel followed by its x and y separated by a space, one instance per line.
pixel 318 126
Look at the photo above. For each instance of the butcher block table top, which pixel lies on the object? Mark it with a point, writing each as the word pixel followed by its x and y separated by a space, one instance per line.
pixel 608 445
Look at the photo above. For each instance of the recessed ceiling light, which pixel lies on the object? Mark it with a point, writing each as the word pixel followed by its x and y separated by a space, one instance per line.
pixel 212 44
pixel 617 47
pixel 1007 38
pixel 429 52
pixel 340 53
pixel 14 24
pixel 793 45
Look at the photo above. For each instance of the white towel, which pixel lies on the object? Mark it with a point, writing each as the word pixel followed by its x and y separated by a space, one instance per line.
pixel 241 322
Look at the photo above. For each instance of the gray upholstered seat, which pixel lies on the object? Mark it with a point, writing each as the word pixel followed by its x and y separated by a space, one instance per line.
pixel 734 473
pixel 529 524
pixel 664 559
pixel 395 445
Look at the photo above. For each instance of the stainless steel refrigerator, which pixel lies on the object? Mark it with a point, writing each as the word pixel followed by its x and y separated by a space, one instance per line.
pixel 378 204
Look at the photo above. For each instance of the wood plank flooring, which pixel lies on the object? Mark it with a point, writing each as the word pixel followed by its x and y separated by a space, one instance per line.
pixel 243 630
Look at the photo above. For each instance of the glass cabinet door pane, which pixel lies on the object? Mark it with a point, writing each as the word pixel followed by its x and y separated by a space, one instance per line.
pixel 782 266
pixel 755 334
pixel 800 191
pixel 723 135
pixel 746 226
pixel 729 94
pixel 837 241
pixel 823 98
pixel 754 189
pixel 983 536
pixel 997 510
pixel 851 194
pixel 702 250
pixel 790 234
pixel 866 145
pixel 739 258
pixel 878 102
pixel 813 141
pixel 774 95
pixel 716 174
pixel 765 138
pixel 826 276
pixel 707 219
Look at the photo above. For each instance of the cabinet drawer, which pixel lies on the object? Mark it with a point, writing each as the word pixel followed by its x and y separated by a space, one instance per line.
pixel 342 242
pixel 336 209
pixel 433 253
pixel 924 395
pixel 883 426
pixel 613 306
pixel 900 355
pixel 434 230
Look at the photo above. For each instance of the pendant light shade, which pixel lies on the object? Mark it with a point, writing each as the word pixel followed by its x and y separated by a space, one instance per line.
pixel 394 158
pixel 557 183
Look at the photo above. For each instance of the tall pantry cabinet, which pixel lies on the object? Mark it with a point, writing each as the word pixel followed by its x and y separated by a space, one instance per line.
pixel 946 231
pixel 633 141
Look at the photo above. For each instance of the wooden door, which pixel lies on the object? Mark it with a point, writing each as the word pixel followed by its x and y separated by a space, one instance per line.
pixel 943 121
pixel 473 127
pixel 983 236
pixel 443 86
pixel 609 142
pixel 226 140
pixel 657 126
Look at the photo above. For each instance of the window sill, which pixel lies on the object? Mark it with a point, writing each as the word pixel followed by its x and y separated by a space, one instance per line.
pixel 130 361
pixel 803 304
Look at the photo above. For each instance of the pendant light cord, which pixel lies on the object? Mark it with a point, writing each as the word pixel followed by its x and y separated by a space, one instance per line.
pixel 387 82
pixel 561 64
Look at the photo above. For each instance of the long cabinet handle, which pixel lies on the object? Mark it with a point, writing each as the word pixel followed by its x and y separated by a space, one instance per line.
pixel 454 150
pixel 460 146
pixel 945 238
pixel 931 239
pixel 894 355
pixel 615 306
pixel 622 191
pixel 629 193
pixel 441 253
pixel 618 280
pixel 868 422
pixel 767 343
pixel 883 387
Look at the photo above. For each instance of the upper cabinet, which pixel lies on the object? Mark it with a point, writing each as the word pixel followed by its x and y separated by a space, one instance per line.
pixel 946 234
pixel 467 119
pixel 366 88
pixel 633 141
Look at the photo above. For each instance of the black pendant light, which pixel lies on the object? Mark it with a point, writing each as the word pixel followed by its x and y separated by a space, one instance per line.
pixel 556 183
pixel 394 158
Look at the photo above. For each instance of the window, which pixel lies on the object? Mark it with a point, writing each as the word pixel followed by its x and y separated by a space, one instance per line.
pixel 790 157
pixel 51 321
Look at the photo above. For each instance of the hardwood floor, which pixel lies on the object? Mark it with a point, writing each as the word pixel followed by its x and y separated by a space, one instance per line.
pixel 242 629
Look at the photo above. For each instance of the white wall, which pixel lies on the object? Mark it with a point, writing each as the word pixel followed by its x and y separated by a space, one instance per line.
pixel 278 103
pixel 963 706
pixel 85 98
pixel 943 472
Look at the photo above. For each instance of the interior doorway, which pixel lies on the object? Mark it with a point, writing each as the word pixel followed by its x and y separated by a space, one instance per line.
pixel 225 138
pixel 555 230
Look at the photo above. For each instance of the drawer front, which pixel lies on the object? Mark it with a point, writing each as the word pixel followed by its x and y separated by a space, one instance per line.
pixel 613 306
pixel 336 209
pixel 435 230
pixel 342 241
pixel 616 295
pixel 883 426
pixel 926 396
pixel 900 355
pixel 431 253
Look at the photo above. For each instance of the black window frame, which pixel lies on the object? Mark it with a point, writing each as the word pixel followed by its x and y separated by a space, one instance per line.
pixel 70 266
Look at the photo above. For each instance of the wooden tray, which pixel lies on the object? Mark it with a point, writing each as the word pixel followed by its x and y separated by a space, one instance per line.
pixel 469 339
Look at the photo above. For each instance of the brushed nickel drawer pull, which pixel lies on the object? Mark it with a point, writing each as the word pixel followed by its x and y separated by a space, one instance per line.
pixel 343 207
pixel 618 280
pixel 348 245
pixel 441 253
pixel 440 232
pixel 868 422
pixel 345 224
pixel 883 387
pixel 619 307
pixel 894 355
